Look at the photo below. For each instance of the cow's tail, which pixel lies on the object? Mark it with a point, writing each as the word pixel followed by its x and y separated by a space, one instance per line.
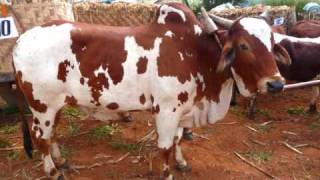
pixel 22 104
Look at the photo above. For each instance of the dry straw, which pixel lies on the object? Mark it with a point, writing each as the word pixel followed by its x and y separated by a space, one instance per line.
pixel 117 14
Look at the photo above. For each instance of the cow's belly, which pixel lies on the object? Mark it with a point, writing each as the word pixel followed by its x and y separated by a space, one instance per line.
pixel 45 58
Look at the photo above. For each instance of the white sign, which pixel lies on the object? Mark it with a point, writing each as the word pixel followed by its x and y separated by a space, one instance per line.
pixel 7 28
pixel 278 21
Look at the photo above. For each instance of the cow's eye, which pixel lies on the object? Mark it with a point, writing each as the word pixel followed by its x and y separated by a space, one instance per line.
pixel 244 46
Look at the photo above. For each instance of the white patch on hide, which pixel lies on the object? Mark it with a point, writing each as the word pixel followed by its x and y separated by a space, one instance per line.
pixel 240 84
pixel 165 10
pixel 169 34
pixel 181 56
pixel 279 37
pixel 258 28
pixel 197 30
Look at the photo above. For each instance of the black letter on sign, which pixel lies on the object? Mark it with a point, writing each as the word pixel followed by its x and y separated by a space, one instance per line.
pixel 5 28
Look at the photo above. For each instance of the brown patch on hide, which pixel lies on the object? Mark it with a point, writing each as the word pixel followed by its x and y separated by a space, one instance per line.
pixel 113 106
pixel 62 70
pixel 71 100
pixel 142 65
pixel 82 80
pixel 27 90
pixel 47 123
pixel 183 97
pixel 142 99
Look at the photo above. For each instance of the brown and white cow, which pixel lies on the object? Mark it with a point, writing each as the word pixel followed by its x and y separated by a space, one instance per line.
pixel 168 67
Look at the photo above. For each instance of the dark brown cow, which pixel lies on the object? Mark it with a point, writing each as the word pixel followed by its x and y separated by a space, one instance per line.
pixel 170 67
pixel 305 66
pixel 306 28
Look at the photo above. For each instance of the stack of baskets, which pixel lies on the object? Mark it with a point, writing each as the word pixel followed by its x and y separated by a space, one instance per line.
pixel 286 12
pixel 116 14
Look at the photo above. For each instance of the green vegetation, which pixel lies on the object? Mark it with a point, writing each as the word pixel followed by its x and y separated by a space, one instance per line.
pixel 13 155
pixel 236 111
pixel 65 151
pixel 71 112
pixel 260 156
pixel 296 111
pixel 298 3
pixel 8 129
pixel 4 143
pixel 101 132
pixel 314 125
pixel 264 113
pixel 73 128
pixel 11 109
pixel 120 144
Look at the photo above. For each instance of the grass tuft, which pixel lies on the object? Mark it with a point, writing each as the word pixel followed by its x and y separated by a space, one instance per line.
pixel 122 145
pixel 101 132
pixel 71 112
pixel 8 129
pixel 260 156
pixel 4 143
pixel 296 111
pixel 314 126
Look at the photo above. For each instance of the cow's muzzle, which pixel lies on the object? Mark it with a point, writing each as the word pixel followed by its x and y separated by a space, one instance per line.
pixel 275 86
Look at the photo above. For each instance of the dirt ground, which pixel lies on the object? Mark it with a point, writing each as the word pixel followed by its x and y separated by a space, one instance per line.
pixel 93 148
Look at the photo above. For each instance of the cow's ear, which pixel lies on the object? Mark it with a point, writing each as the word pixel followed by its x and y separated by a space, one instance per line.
pixel 223 35
pixel 281 55
pixel 228 56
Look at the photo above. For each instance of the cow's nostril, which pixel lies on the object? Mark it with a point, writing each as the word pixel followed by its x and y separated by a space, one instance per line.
pixel 275 86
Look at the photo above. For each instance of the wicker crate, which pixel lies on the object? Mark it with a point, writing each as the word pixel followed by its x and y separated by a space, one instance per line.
pixel 275 12
pixel 26 16
pixel 116 14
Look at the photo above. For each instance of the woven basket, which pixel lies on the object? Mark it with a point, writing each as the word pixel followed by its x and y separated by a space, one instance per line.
pixel 275 12
pixel 116 14
pixel 26 16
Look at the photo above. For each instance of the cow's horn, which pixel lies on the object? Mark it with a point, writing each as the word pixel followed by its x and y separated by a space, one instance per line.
pixel 226 23
pixel 209 24
pixel 266 12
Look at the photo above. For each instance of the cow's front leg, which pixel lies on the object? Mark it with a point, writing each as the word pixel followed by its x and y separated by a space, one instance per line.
pixel 167 124
pixel 252 107
pixel 313 102
pixel 181 162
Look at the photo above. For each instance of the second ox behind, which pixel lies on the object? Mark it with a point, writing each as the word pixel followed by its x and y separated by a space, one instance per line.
pixel 171 67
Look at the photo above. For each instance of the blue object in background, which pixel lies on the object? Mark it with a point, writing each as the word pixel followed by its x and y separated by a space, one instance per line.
pixel 312 7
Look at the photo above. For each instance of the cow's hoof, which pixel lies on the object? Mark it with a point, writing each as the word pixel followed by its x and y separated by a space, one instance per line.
pixel 64 165
pixel 183 168
pixel 170 177
pixel 188 135
pixel 61 177
pixel 233 103
pixel 57 176
pixel 312 109
pixel 127 119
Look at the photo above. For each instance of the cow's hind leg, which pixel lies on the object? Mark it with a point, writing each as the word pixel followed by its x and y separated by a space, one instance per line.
pixel 313 102
pixel 42 128
pixel 181 162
